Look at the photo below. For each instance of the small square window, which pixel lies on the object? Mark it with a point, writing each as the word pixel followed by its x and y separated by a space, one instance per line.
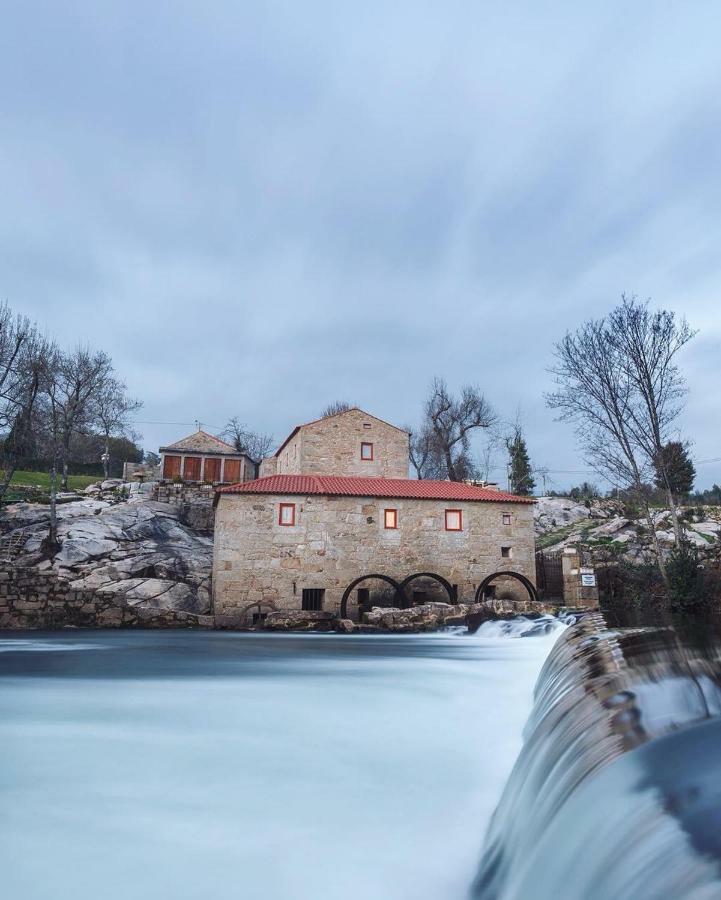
pixel 286 514
pixel 506 518
pixel 506 552
pixel 454 520
pixel 366 451
pixel 391 518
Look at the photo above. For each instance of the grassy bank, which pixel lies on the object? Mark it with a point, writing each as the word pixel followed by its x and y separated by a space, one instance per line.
pixel 41 480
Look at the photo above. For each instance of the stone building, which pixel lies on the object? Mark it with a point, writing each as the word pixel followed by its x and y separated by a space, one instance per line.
pixel 205 458
pixel 310 535
pixel 347 443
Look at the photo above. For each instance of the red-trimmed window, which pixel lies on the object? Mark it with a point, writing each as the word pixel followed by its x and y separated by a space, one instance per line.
pixel 390 518
pixel 454 520
pixel 286 514
pixel 366 451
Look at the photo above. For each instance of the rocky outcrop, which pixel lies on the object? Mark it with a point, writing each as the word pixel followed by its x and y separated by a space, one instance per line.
pixel 432 616
pixel 600 525
pixel 553 513
pixel 134 553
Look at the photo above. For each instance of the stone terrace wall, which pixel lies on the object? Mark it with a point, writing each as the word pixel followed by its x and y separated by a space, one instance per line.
pixel 32 599
pixel 194 502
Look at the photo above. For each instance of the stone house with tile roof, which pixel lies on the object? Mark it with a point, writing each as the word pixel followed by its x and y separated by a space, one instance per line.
pixel 334 517
pixel 202 457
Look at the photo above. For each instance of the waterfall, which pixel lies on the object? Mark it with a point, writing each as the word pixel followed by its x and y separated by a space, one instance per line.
pixel 617 790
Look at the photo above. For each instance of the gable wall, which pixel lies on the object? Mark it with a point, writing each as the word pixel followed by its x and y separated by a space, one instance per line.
pixel 332 446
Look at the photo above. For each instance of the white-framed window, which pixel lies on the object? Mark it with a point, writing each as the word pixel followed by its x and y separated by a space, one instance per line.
pixel 286 514
pixel 390 518
pixel 454 520
pixel 366 451
pixel 506 518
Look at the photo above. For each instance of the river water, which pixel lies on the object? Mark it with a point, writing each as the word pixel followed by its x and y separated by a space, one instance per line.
pixel 284 767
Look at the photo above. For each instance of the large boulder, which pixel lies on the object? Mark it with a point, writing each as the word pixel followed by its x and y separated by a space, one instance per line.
pixel 425 617
pixel 137 551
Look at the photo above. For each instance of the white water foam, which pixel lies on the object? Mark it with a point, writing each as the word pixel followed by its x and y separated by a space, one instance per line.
pixel 523 627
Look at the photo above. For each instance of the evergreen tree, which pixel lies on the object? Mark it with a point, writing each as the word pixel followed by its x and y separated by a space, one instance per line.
pixel 520 476
pixel 674 469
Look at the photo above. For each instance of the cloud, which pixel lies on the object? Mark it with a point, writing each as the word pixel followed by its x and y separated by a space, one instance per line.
pixel 258 208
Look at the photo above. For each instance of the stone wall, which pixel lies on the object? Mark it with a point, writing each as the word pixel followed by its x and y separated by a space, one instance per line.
pixel 332 446
pixel 337 539
pixel 576 564
pixel 33 599
pixel 268 466
pixel 193 501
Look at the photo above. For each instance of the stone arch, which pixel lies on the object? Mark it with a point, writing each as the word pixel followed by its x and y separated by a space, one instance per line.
pixel 527 583
pixel 260 605
pixel 354 584
pixel 439 578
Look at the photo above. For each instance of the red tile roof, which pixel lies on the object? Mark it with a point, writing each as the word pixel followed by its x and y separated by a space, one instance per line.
pixel 396 488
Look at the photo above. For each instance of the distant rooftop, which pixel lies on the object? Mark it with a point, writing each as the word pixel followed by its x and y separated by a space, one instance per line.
pixel 202 442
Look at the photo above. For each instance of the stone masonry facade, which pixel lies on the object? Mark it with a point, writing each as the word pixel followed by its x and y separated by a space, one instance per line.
pixel 349 443
pixel 336 539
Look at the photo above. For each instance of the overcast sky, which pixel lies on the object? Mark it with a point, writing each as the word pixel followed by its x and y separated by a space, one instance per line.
pixel 258 208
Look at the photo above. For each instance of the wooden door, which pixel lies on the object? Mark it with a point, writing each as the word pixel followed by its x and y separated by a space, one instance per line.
pixel 232 471
pixel 171 467
pixel 212 469
pixel 191 469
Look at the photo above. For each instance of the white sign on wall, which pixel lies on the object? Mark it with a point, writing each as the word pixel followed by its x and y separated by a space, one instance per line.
pixel 588 580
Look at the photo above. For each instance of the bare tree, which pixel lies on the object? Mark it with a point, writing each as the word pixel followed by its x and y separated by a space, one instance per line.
pixel 74 383
pixel 51 416
pixel 338 406
pixel 647 343
pixel 617 381
pixel 425 455
pixel 256 445
pixel 451 421
pixel 110 412
pixel 21 353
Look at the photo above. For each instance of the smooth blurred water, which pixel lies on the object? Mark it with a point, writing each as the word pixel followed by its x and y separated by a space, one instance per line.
pixel 215 765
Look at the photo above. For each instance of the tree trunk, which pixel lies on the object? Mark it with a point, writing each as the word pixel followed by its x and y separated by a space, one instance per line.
pixel 8 473
pixel 52 540
pixel 656 546
pixel 677 532
pixel 449 464
pixel 106 458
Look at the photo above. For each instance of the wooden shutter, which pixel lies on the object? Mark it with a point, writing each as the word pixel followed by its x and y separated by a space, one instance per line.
pixel 171 467
pixel 191 471
pixel 232 470
pixel 212 469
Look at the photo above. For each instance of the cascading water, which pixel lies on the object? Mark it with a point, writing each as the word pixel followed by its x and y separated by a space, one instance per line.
pixel 617 790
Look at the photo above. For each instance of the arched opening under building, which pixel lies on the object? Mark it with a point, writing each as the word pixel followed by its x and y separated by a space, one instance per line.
pixel 255 614
pixel 427 587
pixel 497 585
pixel 369 591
